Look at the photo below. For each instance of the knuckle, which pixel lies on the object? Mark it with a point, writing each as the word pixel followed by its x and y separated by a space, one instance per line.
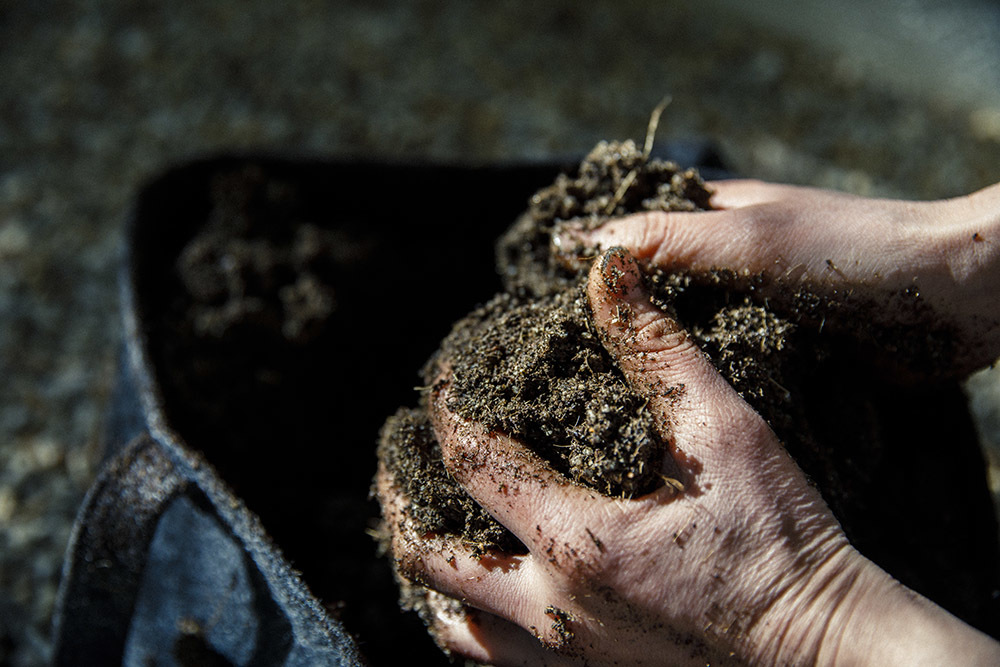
pixel 463 460
pixel 581 570
pixel 658 344
pixel 660 334
pixel 580 565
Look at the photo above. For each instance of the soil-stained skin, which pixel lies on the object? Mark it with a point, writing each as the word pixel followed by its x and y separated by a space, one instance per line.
pixel 528 363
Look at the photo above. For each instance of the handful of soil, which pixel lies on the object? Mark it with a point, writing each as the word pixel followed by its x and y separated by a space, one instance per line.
pixel 534 369
pixel 529 364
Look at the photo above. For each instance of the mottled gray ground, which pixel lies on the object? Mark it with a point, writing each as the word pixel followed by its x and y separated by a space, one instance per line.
pixel 97 97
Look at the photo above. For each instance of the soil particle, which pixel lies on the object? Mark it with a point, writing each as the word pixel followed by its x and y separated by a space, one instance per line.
pixel 562 634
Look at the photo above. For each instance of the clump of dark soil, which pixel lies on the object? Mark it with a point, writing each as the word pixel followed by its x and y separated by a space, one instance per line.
pixel 614 180
pixel 559 391
pixel 414 457
pixel 528 364
pixel 247 268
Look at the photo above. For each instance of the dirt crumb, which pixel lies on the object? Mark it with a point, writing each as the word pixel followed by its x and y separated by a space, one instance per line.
pixel 564 635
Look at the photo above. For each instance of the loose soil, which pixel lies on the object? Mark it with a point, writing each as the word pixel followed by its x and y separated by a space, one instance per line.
pixel 528 364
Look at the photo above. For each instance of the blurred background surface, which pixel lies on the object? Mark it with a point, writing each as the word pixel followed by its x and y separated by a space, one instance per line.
pixel 900 99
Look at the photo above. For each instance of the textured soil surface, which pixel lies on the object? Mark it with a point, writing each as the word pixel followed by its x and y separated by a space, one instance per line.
pixel 528 364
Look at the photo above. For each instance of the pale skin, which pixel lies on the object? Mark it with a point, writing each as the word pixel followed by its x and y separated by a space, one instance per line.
pixel 745 564
pixel 842 245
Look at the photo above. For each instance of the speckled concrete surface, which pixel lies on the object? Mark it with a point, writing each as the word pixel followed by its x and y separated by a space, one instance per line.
pixel 96 97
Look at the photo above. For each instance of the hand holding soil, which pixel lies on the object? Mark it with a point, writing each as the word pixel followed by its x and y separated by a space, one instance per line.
pixel 927 266
pixel 600 474
pixel 746 563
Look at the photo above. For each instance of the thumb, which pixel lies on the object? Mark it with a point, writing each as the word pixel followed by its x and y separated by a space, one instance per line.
pixel 662 362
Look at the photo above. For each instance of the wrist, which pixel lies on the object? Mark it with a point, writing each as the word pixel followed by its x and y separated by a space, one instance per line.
pixel 981 208
pixel 882 622
pixel 802 621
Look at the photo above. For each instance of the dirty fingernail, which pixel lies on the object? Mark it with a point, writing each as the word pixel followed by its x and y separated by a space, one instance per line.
pixel 621 274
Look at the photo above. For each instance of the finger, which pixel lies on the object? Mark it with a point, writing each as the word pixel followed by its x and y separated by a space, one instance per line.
pixel 699 242
pixel 507 479
pixel 739 235
pixel 485 638
pixel 498 582
pixel 737 193
pixel 660 359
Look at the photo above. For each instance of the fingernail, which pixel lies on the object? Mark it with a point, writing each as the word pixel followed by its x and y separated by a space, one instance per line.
pixel 621 274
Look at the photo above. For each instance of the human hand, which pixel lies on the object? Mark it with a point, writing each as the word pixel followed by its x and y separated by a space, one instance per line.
pixel 729 569
pixel 843 261
pixel 745 564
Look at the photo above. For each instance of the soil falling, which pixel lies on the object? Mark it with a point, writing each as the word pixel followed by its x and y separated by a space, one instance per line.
pixel 528 364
